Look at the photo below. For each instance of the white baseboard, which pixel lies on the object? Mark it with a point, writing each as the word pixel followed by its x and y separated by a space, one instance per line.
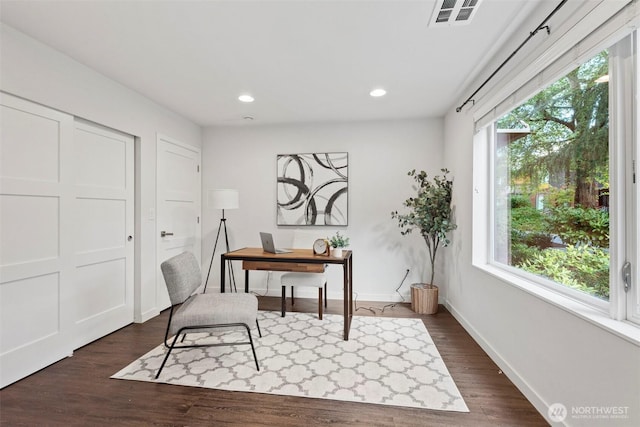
pixel 536 400
pixel 150 314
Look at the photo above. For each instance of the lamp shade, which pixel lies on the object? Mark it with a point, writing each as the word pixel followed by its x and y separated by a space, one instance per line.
pixel 224 199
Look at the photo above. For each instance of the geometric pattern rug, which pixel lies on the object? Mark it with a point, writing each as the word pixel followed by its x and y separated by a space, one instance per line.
pixel 387 361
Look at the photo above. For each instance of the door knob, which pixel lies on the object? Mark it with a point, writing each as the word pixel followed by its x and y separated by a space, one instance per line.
pixel 164 233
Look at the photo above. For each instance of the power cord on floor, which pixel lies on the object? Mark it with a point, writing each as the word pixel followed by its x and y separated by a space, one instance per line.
pixel 373 309
pixel 355 302
pixel 398 292
pixel 266 292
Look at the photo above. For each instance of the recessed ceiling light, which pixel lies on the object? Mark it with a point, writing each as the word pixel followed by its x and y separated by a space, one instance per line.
pixel 378 92
pixel 246 98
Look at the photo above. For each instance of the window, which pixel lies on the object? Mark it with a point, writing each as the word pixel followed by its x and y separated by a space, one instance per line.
pixel 551 182
pixel 559 168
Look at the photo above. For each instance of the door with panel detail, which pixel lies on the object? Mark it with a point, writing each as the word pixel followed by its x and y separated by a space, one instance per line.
pixel 103 231
pixel 66 214
pixel 36 246
pixel 178 205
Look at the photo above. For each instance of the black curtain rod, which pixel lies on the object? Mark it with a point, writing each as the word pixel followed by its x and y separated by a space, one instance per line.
pixel 543 25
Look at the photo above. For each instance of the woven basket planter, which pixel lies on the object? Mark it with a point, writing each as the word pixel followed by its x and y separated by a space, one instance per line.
pixel 424 298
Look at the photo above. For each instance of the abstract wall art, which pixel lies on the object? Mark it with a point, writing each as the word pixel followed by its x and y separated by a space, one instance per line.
pixel 313 189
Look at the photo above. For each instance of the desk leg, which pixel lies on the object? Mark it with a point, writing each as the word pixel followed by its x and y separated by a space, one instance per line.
pixel 350 292
pixel 222 273
pixel 345 299
pixel 348 297
pixel 246 281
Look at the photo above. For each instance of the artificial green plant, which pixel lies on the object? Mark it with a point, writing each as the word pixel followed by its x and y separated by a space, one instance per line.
pixel 429 212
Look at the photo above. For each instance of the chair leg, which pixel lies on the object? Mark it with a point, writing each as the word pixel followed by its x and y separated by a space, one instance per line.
pixel 284 300
pixel 259 331
pixel 320 303
pixel 292 297
pixel 253 349
pixel 173 343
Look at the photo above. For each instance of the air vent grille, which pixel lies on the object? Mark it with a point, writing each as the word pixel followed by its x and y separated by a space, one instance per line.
pixel 453 12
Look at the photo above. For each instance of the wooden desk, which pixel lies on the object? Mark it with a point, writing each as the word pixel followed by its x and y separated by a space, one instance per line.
pixel 297 260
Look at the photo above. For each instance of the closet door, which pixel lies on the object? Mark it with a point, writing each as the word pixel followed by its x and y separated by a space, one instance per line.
pixel 103 231
pixel 178 199
pixel 66 235
pixel 36 237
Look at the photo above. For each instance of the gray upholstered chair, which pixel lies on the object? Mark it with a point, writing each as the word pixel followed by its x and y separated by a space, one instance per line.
pixel 202 312
pixel 302 239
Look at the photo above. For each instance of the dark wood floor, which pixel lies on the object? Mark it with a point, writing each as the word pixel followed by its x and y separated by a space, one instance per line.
pixel 78 390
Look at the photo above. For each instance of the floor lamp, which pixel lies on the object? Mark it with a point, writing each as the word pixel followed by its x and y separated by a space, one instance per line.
pixel 223 199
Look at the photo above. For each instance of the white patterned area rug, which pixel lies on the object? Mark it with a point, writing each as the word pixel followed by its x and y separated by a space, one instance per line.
pixel 386 361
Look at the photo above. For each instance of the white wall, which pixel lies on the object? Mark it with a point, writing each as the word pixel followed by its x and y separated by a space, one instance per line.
pixel 552 355
pixel 380 155
pixel 34 71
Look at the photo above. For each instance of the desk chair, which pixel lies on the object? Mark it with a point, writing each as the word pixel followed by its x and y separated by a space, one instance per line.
pixel 303 239
pixel 203 312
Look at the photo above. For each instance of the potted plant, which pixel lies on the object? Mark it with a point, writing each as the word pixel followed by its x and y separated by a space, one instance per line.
pixel 429 213
pixel 338 242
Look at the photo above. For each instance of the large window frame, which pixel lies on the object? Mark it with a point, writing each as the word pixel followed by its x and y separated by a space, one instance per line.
pixel 621 314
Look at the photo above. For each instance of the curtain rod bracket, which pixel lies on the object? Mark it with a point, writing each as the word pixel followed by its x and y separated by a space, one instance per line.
pixel 545 27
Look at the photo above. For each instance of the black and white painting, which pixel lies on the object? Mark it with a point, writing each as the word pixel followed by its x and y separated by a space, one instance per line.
pixel 313 189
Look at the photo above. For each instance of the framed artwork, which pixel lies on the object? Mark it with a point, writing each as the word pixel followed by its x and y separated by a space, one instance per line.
pixel 313 189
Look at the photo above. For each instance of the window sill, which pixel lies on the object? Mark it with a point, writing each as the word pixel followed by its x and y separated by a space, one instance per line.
pixel 623 329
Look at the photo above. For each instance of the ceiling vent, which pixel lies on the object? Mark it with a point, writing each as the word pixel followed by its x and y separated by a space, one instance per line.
pixel 453 12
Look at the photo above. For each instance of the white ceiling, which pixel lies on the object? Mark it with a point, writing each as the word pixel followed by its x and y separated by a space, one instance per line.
pixel 303 61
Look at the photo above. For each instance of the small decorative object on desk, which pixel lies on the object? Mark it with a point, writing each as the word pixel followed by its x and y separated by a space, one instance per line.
pixel 338 242
pixel 321 247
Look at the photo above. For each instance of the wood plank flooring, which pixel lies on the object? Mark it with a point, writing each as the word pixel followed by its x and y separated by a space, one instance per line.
pixel 77 391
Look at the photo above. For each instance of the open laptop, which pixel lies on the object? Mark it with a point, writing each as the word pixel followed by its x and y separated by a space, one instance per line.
pixel 269 246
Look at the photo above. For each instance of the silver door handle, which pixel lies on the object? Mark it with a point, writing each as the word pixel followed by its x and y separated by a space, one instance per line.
pixel 164 233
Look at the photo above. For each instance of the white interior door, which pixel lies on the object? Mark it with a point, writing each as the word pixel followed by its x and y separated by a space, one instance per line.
pixel 103 231
pixel 178 200
pixel 36 245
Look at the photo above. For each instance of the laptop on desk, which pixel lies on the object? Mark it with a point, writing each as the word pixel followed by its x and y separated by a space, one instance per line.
pixel 269 246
